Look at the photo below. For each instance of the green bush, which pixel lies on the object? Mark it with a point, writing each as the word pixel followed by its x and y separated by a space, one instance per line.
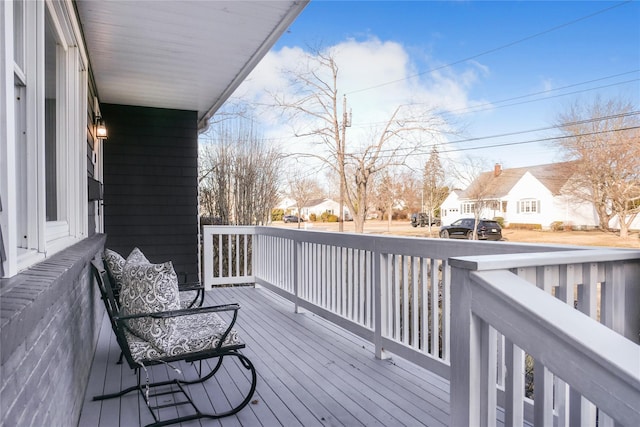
pixel 328 217
pixel 312 217
pixel 499 220
pixel 277 214
pixel 524 226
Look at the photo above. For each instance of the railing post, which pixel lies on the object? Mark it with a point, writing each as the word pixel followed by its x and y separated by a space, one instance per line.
pixel 207 248
pixel 466 353
pixel 297 271
pixel 379 264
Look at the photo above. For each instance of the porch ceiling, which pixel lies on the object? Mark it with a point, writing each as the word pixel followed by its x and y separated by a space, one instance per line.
pixel 188 55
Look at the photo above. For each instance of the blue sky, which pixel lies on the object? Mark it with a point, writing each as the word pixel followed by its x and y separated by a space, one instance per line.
pixel 502 50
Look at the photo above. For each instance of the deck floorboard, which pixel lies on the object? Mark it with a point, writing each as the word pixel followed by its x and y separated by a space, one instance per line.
pixel 310 373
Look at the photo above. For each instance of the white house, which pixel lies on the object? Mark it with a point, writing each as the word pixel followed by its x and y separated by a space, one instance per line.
pixel 317 207
pixel 527 195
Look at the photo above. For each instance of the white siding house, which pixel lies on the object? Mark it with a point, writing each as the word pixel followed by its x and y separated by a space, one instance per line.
pixel 320 206
pixel 528 195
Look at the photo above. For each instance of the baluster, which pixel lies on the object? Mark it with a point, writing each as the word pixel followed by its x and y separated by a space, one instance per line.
pixel 446 312
pixel 397 266
pixel 542 377
pixel 237 254
pixel 424 301
pixel 514 385
pixel 369 289
pixel 380 275
pixel 229 255
pixel 415 308
pixel 488 366
pixel 220 256
pixel 404 330
pixel 435 311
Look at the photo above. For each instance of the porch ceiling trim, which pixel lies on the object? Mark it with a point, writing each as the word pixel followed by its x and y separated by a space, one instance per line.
pixel 187 55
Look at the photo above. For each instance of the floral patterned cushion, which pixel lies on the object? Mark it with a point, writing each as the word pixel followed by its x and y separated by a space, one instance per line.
pixel 149 288
pixel 197 332
pixel 115 263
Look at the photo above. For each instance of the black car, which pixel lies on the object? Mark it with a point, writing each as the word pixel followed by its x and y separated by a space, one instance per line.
pixel 463 229
pixel 291 218
pixel 421 219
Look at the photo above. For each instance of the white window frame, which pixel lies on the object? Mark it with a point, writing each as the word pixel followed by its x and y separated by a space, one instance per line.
pixel 44 238
pixel 529 206
pixel 468 208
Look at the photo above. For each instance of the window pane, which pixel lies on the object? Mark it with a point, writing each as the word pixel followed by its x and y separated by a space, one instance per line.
pixel 50 123
pixel 21 165
pixel 18 33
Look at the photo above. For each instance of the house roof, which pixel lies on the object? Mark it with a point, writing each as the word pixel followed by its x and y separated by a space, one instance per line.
pixel 553 176
pixel 187 55
pixel 315 202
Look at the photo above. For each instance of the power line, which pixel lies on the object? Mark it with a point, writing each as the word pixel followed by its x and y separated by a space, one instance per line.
pixel 476 109
pixel 559 126
pixel 539 140
pixel 490 105
pixel 486 52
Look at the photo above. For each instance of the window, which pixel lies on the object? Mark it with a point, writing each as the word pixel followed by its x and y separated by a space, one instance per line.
pixel 468 208
pixel 51 117
pixel 529 206
pixel 46 208
pixel 22 148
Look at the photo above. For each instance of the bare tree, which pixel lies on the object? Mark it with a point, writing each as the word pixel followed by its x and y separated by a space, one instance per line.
pixel 604 138
pixel 478 195
pixel 238 175
pixel 433 188
pixel 408 129
pixel 387 193
pixel 303 189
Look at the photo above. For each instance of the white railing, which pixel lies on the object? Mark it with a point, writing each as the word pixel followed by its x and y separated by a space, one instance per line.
pixel 397 292
pixel 582 369
pixel 226 255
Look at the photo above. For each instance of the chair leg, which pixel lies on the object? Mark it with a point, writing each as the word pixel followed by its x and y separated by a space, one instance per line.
pixel 145 390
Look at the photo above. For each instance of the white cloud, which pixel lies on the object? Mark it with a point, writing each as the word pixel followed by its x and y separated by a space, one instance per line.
pixel 377 76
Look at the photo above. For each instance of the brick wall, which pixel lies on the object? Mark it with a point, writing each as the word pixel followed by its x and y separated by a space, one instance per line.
pixel 49 318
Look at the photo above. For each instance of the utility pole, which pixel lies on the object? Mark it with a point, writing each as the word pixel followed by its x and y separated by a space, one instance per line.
pixel 346 122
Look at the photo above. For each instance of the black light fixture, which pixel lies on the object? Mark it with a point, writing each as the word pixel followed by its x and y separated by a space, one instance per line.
pixel 101 129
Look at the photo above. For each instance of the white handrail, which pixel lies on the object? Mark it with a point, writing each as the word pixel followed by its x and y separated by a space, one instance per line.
pixel 596 362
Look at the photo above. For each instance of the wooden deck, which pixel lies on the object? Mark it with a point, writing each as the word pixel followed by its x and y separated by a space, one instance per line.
pixel 310 373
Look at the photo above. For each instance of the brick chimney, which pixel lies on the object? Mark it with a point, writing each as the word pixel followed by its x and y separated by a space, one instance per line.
pixel 497 169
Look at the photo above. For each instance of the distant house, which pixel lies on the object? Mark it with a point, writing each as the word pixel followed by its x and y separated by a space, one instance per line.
pixel 317 207
pixel 527 195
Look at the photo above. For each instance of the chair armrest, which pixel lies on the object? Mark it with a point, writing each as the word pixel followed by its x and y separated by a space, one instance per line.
pixel 192 286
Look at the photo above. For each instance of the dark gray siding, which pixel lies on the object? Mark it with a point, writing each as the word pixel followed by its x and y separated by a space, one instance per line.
pixel 151 184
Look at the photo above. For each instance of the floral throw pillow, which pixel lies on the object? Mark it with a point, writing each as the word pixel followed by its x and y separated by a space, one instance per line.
pixel 149 288
pixel 115 263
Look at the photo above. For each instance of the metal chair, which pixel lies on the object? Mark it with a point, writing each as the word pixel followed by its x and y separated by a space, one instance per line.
pixel 192 324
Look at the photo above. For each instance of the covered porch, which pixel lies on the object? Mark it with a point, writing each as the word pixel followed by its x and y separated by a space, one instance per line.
pixel 310 373
pixel 351 329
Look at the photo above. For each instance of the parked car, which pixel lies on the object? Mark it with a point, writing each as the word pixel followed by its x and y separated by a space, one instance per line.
pixel 488 229
pixel 291 218
pixel 421 219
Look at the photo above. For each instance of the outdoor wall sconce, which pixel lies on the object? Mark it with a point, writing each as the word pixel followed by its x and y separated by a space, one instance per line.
pixel 101 129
